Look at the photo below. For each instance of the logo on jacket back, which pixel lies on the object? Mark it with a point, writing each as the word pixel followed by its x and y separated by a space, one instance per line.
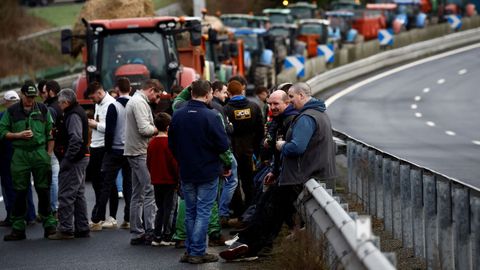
pixel 242 114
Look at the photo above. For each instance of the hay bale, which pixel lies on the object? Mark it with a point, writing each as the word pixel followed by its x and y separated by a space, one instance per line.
pixel 113 9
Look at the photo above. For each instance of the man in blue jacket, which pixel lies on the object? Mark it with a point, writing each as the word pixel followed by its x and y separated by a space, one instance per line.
pixel 197 139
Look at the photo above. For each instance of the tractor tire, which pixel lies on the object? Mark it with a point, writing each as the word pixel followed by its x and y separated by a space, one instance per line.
pixel 261 76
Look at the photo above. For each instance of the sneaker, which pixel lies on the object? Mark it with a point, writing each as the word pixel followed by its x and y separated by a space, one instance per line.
pixel 180 244
pixel 157 241
pixel 266 251
pixel 125 225
pixel 15 236
pixel 233 240
pixel 61 236
pixel 138 241
pixel 109 223
pixel 49 231
pixel 207 258
pixel 235 251
pixel 120 195
pixel 166 243
pixel 95 227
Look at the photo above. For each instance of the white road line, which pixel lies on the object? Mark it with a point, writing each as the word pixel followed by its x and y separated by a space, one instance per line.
pixel 426 90
pixel 476 142
pixel 418 115
pixel 414 106
pixel 450 133
pixel 441 81
pixel 354 87
pixel 418 98
pixel 462 71
pixel 430 123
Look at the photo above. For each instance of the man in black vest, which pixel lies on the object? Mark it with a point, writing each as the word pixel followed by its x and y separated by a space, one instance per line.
pixel 308 152
pixel 73 137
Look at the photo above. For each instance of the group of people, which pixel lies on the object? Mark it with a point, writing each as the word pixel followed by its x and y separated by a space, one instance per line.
pixel 220 156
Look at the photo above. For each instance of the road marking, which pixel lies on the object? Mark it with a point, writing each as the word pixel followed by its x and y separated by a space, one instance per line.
pixel 426 90
pixel 476 142
pixel 430 123
pixel 418 98
pixel 414 106
pixel 450 133
pixel 418 115
pixel 441 81
pixel 354 87
pixel 462 71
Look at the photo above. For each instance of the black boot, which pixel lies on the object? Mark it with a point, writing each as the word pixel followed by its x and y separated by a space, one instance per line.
pixel 15 236
pixel 49 231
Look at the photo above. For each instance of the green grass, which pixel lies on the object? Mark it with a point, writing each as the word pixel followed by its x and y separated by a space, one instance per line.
pixel 57 15
pixel 66 14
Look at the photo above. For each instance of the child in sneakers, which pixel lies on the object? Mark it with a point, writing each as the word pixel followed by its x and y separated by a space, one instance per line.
pixel 164 174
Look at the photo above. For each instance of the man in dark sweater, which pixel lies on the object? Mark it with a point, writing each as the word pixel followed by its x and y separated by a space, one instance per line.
pixel 197 139
pixel 73 137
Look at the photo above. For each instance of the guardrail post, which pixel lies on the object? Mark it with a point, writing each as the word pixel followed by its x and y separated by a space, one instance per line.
pixel 396 200
pixel 379 184
pixel 475 232
pixel 431 240
pixel 358 166
pixel 461 227
pixel 406 194
pixel 371 182
pixel 365 172
pixel 418 219
pixel 444 211
pixel 387 195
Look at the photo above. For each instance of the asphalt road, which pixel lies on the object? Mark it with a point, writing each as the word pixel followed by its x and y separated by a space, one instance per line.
pixel 107 249
pixel 427 114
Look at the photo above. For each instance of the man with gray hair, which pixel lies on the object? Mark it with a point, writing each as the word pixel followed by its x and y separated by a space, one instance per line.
pixel 73 139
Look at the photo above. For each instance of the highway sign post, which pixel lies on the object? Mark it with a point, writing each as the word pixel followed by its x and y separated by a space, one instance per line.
pixel 385 37
pixel 327 51
pixel 297 62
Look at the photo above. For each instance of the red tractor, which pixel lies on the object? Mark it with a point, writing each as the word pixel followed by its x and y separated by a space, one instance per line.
pixel 137 48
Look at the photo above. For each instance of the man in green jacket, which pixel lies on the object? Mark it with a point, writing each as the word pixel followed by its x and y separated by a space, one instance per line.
pixel 28 125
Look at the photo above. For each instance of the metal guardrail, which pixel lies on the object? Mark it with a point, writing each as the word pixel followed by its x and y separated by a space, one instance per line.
pixel 436 215
pixel 351 240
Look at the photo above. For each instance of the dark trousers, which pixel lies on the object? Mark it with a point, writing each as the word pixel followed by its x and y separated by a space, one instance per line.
pixel 112 163
pixel 164 196
pixel 245 175
pixel 9 197
pixel 275 208
pixel 72 206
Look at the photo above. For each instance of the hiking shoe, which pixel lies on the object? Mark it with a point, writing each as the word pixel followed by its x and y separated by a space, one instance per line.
pixel 95 227
pixel 235 251
pixel 49 231
pixel 125 225
pixel 184 258
pixel 216 241
pixel 109 223
pixel 81 234
pixel 15 236
pixel 61 236
pixel 180 244
pixel 207 258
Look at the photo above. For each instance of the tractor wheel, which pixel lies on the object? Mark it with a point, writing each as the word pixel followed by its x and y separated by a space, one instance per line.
pixel 261 76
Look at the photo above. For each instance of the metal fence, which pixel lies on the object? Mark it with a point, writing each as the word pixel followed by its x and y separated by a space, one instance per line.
pixel 437 216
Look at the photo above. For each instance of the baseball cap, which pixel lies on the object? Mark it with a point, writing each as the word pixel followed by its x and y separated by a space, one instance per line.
pixel 11 95
pixel 29 90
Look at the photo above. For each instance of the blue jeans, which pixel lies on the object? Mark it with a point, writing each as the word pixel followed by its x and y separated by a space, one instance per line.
pixel 229 185
pixel 119 181
pixel 54 185
pixel 199 199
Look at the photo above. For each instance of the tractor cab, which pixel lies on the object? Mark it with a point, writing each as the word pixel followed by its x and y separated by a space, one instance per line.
pixel 409 14
pixel 387 10
pixel 278 15
pixel 313 32
pixel 349 5
pixel 234 21
pixel 282 40
pixel 136 48
pixel 340 29
pixel 302 10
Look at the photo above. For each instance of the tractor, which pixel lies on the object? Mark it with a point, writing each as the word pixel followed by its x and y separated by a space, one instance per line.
pixel 313 32
pixel 259 61
pixel 243 20
pixel 340 30
pixel 282 40
pixel 278 15
pixel 137 48
pixel 303 10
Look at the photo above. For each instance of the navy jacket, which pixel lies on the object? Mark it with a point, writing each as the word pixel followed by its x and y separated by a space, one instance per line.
pixel 196 137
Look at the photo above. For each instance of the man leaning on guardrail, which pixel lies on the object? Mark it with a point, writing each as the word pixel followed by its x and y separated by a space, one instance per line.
pixel 308 152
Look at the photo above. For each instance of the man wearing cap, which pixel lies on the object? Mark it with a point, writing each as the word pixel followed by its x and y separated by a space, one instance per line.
pixel 28 124
pixel 6 151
